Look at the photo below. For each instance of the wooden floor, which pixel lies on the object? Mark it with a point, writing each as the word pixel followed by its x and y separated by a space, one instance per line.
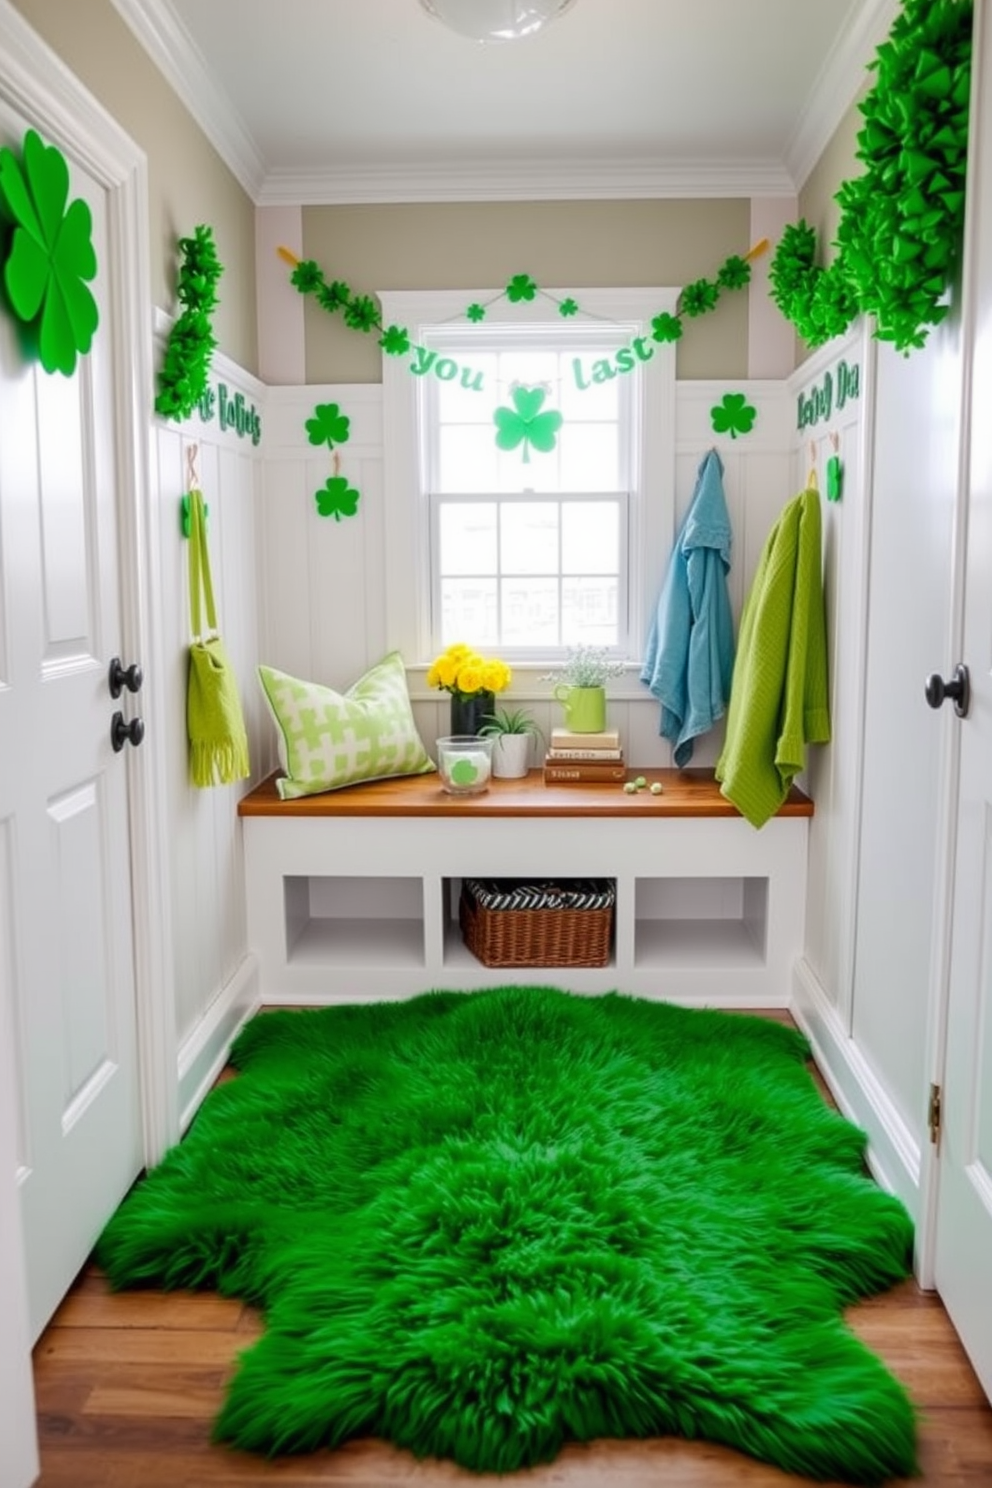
pixel 127 1385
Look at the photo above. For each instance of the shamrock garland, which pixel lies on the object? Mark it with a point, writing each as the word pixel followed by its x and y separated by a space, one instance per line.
pixel 183 378
pixel 336 498
pixel 899 240
pixel 359 311
pixel 51 254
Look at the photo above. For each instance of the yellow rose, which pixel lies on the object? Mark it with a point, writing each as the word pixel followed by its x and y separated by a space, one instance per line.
pixel 495 676
pixel 447 671
pixel 470 676
pixel 433 675
pixel 459 652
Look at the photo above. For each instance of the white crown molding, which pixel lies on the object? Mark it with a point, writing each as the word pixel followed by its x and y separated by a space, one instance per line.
pixel 162 34
pixel 524 180
pixel 165 39
pixel 843 75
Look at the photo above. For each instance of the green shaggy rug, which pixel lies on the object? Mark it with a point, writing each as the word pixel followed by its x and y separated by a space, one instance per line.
pixel 482 1225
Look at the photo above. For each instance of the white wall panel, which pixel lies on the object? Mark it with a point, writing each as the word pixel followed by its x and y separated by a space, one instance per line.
pixel 205 831
pixel 833 777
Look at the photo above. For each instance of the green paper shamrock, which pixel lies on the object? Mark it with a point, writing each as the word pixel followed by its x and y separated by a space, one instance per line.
pixel 361 314
pixel 568 307
pixel 333 296
pixel 520 287
pixel 733 416
pixel 51 253
pixel 476 312
pixel 525 423
pixel 328 426
pixel 666 327
pixel 395 341
pixel 734 273
pixel 306 276
pixel 699 297
pixel 336 498
pixel 835 478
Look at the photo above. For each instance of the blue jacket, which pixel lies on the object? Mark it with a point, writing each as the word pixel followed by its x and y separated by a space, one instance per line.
pixel 689 660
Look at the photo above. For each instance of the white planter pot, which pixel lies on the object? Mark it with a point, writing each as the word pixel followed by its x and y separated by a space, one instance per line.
pixel 511 755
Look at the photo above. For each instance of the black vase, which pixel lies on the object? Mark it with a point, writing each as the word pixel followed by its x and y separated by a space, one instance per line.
pixel 469 713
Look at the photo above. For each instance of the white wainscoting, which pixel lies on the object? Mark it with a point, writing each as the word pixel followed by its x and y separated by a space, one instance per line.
pixel 215 987
pixel 834 774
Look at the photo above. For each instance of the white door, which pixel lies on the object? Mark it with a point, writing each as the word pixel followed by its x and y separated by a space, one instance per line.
pixel 65 916
pixel 963 1258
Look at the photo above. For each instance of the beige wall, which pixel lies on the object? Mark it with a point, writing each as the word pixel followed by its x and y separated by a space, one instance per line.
pixel 563 245
pixel 837 164
pixel 188 183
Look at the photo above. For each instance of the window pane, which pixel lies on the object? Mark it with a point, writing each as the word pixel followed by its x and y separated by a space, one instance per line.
pixel 589 457
pixel 530 612
pixel 457 402
pixel 539 472
pixel 468 608
pixel 590 537
pixel 467 458
pixel 468 538
pixel 529 537
pixel 589 612
pixel 530 367
pixel 581 398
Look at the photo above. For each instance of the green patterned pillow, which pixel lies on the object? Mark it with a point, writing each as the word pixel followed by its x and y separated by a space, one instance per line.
pixel 328 739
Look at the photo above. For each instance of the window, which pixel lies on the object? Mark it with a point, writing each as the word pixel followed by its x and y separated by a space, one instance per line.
pixel 524 483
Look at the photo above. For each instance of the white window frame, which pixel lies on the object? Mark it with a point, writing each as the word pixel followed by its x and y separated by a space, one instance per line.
pixel 652 485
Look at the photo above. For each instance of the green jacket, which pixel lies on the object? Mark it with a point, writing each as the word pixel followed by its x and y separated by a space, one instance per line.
pixel 779 700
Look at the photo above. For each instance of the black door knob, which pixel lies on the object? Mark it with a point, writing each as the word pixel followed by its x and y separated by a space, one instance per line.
pixel 119 677
pixel 958 689
pixel 122 733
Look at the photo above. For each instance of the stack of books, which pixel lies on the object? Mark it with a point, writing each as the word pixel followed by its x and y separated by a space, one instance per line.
pixel 584 759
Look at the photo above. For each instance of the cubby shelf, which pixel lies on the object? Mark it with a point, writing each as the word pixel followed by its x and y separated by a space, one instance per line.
pixel 354 895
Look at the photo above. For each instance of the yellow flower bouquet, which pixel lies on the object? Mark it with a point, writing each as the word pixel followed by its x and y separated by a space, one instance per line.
pixel 465 674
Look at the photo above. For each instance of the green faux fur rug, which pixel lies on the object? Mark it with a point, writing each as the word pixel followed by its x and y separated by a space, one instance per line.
pixel 483 1225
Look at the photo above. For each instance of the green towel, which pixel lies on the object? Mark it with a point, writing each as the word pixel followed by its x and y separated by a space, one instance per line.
pixel 218 741
pixel 779 700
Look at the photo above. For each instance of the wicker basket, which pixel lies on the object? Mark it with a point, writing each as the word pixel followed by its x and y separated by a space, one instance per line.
pixel 506 923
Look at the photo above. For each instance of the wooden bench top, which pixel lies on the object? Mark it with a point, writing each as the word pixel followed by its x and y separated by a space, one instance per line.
pixel 684 793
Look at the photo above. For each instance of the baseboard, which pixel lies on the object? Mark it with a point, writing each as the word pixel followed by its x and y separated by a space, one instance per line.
pixel 204 1053
pixel 893 1151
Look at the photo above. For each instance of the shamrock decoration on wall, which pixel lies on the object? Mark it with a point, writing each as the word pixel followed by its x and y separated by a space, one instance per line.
pixel 51 255
pixel 733 416
pixel 328 426
pixel 336 498
pixel 525 424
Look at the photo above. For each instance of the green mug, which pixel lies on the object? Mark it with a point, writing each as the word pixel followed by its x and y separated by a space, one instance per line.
pixel 585 707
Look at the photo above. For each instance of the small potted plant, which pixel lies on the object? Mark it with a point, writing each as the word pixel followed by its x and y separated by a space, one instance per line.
pixel 511 730
pixel 581 687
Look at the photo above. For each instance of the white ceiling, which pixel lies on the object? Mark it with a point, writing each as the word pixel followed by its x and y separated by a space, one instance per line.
pixel 315 101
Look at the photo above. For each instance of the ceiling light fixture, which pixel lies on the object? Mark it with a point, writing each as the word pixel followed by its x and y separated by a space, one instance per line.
pixel 496 20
